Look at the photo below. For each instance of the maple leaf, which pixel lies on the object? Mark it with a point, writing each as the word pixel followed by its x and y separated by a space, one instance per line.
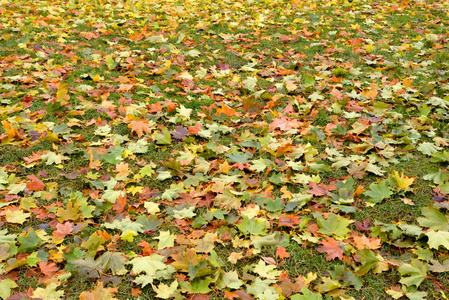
pixel 332 249
pixel 99 292
pixel 16 216
pixel 416 273
pixel 362 242
pixel 5 287
pixel 228 111
pixel 35 184
pixel 334 225
pixel 285 124
pixel 282 253
pixel 49 292
pixel 180 133
pixel 47 268
pixel 148 265
pixel 316 189
pixel 63 229
pixel 164 291
pixel 139 127
pixel 289 220
pixel 402 181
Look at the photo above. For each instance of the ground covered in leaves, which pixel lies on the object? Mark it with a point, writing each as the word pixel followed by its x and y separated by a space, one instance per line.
pixel 259 149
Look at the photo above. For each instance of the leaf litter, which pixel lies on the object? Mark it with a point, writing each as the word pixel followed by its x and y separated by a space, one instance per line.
pixel 191 149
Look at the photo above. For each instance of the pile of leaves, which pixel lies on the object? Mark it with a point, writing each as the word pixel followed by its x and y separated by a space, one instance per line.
pixel 226 149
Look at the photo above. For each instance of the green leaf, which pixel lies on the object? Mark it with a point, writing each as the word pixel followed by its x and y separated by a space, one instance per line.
pixel 440 157
pixel 164 291
pixel 262 289
pixel 48 293
pixel 306 294
pixel 266 271
pixel 128 235
pixel 438 238
pixel 5 287
pixel 29 242
pixel 334 225
pixel 437 176
pixel 33 259
pixel 110 62
pixel 6 238
pixel 434 219
pixel 370 261
pixel 113 261
pixel 166 240
pixel 230 280
pixel 147 265
pixel 428 148
pixel 163 138
pixel 378 192
pixel 416 273
pixel 198 285
pixel 256 226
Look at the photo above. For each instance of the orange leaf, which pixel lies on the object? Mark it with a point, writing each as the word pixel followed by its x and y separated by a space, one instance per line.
pixel 332 249
pixel 225 110
pixel 369 94
pixel 99 292
pixel 119 204
pixel 47 268
pixel 35 184
pixel 139 127
pixel 289 221
pixel 11 131
pixel 123 88
pixel 362 242
pixel 135 292
pixel 104 235
pixel 195 129
pixel 281 252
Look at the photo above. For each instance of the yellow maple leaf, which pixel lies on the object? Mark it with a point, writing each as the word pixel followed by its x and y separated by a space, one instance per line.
pixel 16 216
pixel 402 181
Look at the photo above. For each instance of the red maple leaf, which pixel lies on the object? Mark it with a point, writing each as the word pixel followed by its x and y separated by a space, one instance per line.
pixel 331 248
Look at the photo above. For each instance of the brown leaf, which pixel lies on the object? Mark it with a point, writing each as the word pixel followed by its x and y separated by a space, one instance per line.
pixel 243 295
